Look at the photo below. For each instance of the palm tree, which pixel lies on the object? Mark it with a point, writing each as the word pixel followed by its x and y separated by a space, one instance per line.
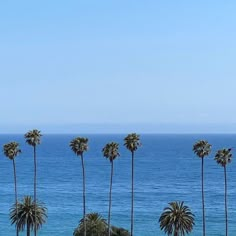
pixel 11 150
pixel 79 146
pixel 96 225
pixel 27 210
pixel 33 138
pixel 177 219
pixel 119 231
pixel 202 148
pixel 132 142
pixel 223 157
pixel 111 152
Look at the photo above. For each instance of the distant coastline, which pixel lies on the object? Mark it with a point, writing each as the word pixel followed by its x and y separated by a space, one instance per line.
pixel 122 128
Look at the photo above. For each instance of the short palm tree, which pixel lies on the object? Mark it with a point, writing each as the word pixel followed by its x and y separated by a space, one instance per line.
pixel 111 152
pixel 25 216
pixel 177 219
pixel 95 225
pixel 11 150
pixel 33 138
pixel 202 149
pixel 79 146
pixel 132 142
pixel 223 157
pixel 119 231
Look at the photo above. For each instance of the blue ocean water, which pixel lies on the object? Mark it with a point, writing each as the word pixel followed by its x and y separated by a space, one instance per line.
pixel 165 170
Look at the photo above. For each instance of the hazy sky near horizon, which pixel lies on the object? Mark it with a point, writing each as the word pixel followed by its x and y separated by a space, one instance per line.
pixel 118 62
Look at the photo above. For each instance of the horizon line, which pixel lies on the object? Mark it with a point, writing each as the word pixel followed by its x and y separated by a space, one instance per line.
pixel 117 133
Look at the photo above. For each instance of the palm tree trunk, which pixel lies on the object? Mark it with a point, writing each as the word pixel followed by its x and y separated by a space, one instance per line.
pixel 226 211
pixel 132 196
pixel 28 229
pixel 203 203
pixel 176 232
pixel 14 168
pixel 35 197
pixel 109 212
pixel 84 212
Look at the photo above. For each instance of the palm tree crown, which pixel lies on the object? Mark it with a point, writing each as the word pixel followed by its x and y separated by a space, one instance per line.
pixel 202 148
pixel 177 219
pixel 33 137
pixel 95 225
pixel 79 145
pixel 110 151
pixel 116 231
pixel 26 212
pixel 11 150
pixel 132 142
pixel 224 156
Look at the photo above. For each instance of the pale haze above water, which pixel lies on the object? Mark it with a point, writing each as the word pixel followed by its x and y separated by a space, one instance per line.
pixel 118 66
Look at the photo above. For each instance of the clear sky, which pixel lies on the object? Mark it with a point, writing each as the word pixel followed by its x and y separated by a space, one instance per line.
pixel 118 66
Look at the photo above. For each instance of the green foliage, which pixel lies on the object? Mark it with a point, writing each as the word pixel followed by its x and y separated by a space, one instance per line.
pixel 202 148
pixel 223 156
pixel 26 212
pixel 110 151
pixel 79 145
pixel 132 142
pixel 177 219
pixel 115 231
pixel 11 150
pixel 33 137
pixel 96 225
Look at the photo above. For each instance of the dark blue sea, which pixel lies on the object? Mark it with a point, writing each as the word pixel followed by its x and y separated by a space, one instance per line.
pixel 166 170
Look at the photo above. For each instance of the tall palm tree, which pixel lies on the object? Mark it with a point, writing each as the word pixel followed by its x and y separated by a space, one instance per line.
pixel 11 150
pixel 223 157
pixel 202 149
pixel 27 210
pixel 111 152
pixel 132 142
pixel 79 146
pixel 96 225
pixel 177 219
pixel 33 138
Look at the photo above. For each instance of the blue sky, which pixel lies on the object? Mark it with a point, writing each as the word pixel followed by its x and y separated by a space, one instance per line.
pixel 118 66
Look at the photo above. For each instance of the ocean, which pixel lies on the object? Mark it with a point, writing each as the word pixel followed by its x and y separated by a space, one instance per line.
pixel 166 170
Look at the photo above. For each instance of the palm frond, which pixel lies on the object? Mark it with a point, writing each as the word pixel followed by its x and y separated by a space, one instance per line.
pixel 132 142
pixel 224 156
pixel 33 137
pixel 79 145
pixel 111 151
pixel 26 211
pixel 177 219
pixel 202 148
pixel 11 150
